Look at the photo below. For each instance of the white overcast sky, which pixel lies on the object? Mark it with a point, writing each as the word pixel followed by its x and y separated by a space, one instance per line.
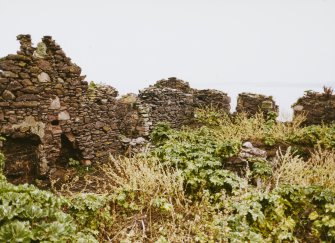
pixel 275 47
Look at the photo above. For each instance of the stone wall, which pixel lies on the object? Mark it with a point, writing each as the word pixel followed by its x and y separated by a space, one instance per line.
pixel 46 104
pixel 42 93
pixel 252 104
pixel 164 103
pixel 174 101
pixel 317 107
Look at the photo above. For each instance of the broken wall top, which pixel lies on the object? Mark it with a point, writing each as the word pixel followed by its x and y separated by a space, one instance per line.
pixel 317 107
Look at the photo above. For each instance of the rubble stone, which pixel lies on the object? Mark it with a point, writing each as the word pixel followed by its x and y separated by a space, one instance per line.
pixel 251 104
pixel 63 116
pixel 317 107
pixel 7 95
pixel 43 77
pixel 174 101
pixel 55 103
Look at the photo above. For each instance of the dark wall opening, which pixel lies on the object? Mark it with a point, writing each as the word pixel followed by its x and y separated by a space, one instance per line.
pixel 69 150
pixel 21 159
pixel 55 122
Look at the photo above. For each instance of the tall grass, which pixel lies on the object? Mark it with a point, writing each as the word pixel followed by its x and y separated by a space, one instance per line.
pixel 243 128
pixel 149 203
pixel 318 170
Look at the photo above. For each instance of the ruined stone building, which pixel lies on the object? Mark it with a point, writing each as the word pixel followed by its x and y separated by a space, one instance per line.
pixel 49 114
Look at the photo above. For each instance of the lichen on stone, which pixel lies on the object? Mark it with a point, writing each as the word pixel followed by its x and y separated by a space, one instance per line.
pixel 30 124
pixel 41 50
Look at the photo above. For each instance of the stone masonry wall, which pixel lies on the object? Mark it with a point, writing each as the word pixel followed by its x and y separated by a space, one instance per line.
pixel 251 104
pixel 317 107
pixel 45 102
pixel 43 93
pixel 174 101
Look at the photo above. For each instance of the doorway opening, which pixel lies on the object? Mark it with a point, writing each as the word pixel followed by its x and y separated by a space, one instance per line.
pixel 69 150
pixel 21 159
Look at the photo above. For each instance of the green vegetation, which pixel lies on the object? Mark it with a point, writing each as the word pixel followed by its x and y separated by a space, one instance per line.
pixel 92 85
pixel 315 135
pixel 73 162
pixel 184 191
pixel 199 154
pixel 29 214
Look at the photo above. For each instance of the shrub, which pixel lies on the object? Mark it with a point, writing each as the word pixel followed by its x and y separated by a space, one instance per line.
pixel 315 135
pixel 160 133
pixel 256 128
pixel 92 85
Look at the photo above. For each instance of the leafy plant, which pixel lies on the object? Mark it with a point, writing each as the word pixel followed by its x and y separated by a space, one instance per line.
pixel 29 214
pixel 73 162
pixel 200 155
pixel 289 213
pixel 160 133
pixel 91 212
pixel 261 168
pixel 315 135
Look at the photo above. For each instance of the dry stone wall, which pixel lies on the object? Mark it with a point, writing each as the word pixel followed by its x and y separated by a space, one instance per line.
pixel 44 94
pixel 174 101
pixel 167 104
pixel 46 104
pixel 252 104
pixel 317 107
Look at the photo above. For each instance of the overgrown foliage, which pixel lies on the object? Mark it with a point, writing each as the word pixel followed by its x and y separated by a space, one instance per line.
pixel 29 214
pixel 288 213
pixel 315 135
pixel 183 190
pixel 200 155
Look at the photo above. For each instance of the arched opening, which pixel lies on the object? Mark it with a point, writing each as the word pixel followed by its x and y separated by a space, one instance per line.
pixel 69 150
pixel 21 159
